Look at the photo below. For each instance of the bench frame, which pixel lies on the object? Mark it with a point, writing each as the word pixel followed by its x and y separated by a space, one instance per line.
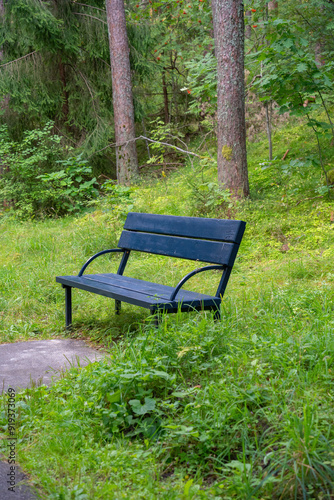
pixel 173 305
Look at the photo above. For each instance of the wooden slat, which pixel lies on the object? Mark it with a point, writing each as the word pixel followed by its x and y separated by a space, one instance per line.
pixel 203 250
pixel 191 227
pixel 108 286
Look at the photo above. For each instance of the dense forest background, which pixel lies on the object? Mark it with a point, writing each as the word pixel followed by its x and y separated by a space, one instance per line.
pixel 58 131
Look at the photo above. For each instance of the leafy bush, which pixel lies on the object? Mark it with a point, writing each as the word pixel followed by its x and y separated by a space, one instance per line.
pixel 31 183
pixel 68 187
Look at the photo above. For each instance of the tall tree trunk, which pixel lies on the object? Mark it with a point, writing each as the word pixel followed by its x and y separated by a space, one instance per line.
pixel 126 152
pixel 228 23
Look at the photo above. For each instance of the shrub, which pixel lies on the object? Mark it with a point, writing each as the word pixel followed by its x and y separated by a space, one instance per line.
pixel 31 183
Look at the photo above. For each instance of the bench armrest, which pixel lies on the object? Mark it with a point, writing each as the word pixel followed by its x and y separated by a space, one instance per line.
pixel 97 255
pixel 192 273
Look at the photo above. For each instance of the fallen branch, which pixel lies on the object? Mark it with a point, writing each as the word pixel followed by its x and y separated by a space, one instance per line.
pixel 158 164
pixel 114 144
pixel 285 154
pixel 309 199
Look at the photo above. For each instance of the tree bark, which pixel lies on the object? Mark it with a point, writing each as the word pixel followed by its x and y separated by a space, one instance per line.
pixel 248 29
pixel 4 102
pixel 273 7
pixel 228 23
pixel 126 152
pixel 2 15
pixel 65 107
pixel 165 92
pixel 268 108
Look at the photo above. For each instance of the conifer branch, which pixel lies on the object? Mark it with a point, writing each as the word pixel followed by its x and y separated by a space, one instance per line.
pixel 90 6
pixel 89 90
pixel 19 59
pixel 87 15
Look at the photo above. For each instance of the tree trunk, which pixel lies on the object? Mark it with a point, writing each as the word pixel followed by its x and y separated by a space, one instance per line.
pixel 228 23
pixel 248 29
pixel 126 152
pixel 268 108
pixel 165 92
pixel 2 15
pixel 273 7
pixel 4 102
pixel 65 107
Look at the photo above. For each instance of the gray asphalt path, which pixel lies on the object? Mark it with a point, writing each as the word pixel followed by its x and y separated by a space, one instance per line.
pixel 13 484
pixel 37 362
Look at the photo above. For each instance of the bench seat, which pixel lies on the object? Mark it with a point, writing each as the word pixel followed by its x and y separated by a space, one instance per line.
pixel 141 293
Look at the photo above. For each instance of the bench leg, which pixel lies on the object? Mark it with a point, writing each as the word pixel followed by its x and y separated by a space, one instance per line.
pixel 216 315
pixel 68 307
pixel 118 305
pixel 156 318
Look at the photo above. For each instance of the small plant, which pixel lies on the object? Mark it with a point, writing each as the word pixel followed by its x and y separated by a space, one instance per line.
pixel 210 197
pixel 119 197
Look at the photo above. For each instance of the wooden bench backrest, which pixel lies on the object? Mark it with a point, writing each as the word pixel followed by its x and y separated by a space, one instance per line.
pixel 208 240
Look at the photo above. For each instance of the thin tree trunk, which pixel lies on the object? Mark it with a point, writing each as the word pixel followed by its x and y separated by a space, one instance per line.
pixel 65 107
pixel 4 102
pixel 268 108
pixel 126 152
pixel 2 15
pixel 273 7
pixel 165 92
pixel 147 144
pixel 228 23
pixel 248 29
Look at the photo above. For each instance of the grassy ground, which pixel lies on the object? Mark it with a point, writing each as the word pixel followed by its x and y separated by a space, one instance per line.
pixel 195 409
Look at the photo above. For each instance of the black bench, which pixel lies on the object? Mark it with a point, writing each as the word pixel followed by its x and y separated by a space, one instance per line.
pixel 207 240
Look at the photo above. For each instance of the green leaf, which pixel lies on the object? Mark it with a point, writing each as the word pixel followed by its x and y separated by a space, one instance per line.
pixel 140 409
pixel 301 67
pixel 114 398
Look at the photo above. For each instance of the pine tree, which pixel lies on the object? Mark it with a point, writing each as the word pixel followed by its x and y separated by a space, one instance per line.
pixel 126 153
pixel 228 22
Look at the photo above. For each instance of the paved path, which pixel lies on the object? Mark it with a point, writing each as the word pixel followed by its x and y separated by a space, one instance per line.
pixel 21 491
pixel 37 362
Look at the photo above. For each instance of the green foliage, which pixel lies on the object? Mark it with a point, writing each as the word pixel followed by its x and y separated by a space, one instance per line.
pixel 118 198
pixel 202 82
pixel 210 198
pixel 71 187
pixel 31 183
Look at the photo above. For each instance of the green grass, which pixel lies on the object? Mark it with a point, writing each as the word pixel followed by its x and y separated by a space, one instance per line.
pixel 196 409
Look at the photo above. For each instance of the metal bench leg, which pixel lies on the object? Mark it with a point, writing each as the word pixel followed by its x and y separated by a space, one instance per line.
pixel 68 307
pixel 217 315
pixel 156 319
pixel 118 305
